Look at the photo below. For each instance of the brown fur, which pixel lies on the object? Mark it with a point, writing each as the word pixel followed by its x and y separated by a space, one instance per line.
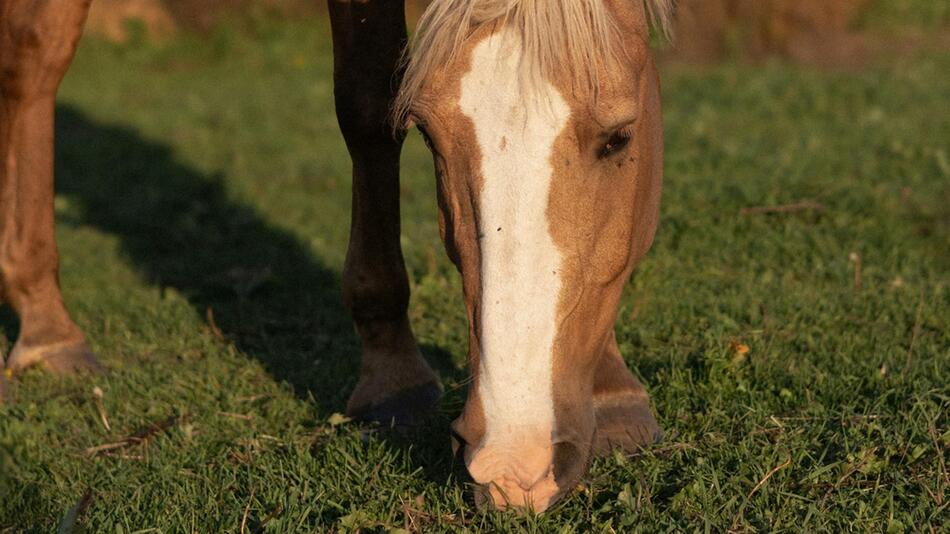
pixel 603 215
pixel 111 19
pixel 37 42
pixel 396 384
pixel 457 201
pixel 814 31
pixel 580 33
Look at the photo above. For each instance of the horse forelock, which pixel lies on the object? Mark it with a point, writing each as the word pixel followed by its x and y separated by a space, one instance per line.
pixel 553 33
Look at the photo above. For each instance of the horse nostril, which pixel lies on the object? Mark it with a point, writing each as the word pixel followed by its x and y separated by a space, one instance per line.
pixel 505 492
pixel 483 498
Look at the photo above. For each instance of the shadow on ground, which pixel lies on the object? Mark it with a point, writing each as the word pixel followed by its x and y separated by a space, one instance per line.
pixel 269 296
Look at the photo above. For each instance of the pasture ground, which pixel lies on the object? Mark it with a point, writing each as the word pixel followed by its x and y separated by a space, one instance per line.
pixel 203 215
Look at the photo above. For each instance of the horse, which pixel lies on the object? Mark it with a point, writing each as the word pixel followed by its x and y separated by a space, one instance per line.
pixel 543 118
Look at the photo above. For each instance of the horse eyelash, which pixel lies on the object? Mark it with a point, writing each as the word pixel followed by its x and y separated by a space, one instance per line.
pixel 622 135
pixel 626 131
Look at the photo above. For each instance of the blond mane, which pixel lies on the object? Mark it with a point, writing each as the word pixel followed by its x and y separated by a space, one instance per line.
pixel 580 33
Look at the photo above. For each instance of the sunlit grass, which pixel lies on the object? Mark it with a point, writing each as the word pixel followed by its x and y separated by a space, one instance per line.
pixel 203 217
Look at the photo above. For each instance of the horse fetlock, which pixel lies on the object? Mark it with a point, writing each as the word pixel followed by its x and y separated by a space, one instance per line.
pixel 624 421
pixel 622 409
pixel 400 406
pixel 396 385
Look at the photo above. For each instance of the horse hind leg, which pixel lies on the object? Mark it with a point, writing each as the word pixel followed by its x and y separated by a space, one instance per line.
pixel 622 406
pixel 396 385
pixel 37 42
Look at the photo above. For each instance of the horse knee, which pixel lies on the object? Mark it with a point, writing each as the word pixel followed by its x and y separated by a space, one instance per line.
pixel 37 44
pixel 363 114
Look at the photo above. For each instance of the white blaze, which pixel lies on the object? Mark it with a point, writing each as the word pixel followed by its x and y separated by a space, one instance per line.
pixel 520 263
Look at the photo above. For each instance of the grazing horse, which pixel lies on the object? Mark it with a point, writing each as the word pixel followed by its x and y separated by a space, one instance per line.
pixel 543 118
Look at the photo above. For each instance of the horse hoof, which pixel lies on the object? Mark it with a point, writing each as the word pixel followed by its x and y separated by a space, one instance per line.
pixel 624 421
pixel 402 408
pixel 59 359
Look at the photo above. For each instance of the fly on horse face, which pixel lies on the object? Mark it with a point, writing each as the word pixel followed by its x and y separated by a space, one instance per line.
pixel 543 118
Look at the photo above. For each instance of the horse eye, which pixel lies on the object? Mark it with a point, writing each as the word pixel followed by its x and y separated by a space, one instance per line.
pixel 617 141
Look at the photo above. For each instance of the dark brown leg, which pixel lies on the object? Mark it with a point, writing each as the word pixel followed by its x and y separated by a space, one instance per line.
pixel 622 406
pixel 37 42
pixel 395 382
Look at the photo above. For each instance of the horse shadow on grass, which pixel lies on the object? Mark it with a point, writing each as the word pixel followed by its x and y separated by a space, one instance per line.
pixel 269 296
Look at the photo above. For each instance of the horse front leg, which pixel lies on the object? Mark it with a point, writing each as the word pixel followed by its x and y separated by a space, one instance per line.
pixel 37 42
pixel 395 384
pixel 622 406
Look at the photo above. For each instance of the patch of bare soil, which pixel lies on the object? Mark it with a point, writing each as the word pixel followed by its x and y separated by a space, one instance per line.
pixel 161 19
pixel 111 18
pixel 814 32
pixel 807 31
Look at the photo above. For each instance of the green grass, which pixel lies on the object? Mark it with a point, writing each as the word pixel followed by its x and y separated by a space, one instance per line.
pixel 899 15
pixel 209 175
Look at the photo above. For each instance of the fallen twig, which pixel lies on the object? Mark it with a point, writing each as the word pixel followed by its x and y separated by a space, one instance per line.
pixel 142 436
pixel 783 208
pixel 410 514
